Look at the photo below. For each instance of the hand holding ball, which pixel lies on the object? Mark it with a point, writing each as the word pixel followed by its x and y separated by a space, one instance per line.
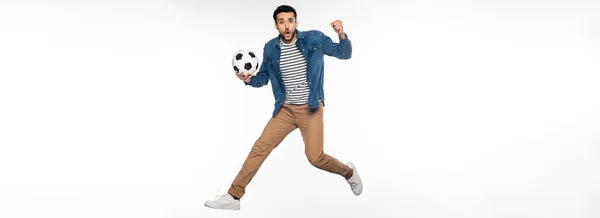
pixel 244 64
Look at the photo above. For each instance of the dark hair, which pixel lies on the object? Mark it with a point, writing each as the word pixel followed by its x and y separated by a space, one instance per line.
pixel 284 8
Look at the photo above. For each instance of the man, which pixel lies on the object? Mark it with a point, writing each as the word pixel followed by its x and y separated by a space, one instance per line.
pixel 293 62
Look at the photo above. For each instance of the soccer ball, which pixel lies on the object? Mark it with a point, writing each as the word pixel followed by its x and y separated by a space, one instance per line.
pixel 245 62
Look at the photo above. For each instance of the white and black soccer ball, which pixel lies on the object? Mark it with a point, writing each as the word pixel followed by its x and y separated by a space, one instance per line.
pixel 245 62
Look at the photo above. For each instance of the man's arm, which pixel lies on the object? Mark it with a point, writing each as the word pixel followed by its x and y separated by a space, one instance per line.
pixel 341 50
pixel 262 77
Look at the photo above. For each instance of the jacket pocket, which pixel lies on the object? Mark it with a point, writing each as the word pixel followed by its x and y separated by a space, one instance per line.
pixel 270 64
pixel 314 47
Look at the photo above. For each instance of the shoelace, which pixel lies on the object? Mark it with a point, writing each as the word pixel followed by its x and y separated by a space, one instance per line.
pixel 219 196
pixel 353 184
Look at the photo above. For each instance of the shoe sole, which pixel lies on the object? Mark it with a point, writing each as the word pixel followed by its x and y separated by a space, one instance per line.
pixel 228 207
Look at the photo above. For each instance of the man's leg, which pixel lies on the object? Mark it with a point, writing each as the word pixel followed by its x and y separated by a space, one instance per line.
pixel 310 123
pixel 273 134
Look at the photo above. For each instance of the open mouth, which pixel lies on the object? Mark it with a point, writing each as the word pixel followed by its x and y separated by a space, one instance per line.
pixel 287 34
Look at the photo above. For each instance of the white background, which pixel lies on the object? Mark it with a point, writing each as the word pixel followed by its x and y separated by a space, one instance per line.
pixel 448 108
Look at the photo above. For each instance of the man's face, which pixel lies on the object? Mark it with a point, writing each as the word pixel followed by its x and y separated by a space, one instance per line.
pixel 286 25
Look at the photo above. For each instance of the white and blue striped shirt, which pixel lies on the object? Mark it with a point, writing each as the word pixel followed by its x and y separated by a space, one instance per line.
pixel 293 72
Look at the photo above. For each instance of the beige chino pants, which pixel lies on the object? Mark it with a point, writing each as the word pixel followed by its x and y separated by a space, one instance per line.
pixel 290 117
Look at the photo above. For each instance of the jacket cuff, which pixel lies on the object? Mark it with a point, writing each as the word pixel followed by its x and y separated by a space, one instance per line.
pixel 340 37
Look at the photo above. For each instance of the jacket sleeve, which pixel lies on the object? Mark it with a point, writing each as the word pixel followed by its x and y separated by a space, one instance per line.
pixel 341 50
pixel 261 78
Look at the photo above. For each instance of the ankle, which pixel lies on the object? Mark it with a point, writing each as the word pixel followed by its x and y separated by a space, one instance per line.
pixel 349 174
pixel 233 196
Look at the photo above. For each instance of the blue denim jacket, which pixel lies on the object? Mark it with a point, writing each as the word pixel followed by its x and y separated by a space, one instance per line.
pixel 314 45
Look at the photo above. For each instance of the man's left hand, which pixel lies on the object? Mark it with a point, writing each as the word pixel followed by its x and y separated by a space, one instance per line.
pixel 338 27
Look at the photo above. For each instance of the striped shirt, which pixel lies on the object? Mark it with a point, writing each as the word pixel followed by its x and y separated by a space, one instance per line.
pixel 293 72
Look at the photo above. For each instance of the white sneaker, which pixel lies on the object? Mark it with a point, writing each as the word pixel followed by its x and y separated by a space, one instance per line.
pixel 355 182
pixel 225 202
